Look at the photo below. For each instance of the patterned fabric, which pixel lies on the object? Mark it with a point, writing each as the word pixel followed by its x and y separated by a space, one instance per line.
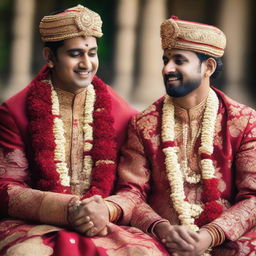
pixel 192 36
pixel 73 22
pixel 143 178
pixel 33 219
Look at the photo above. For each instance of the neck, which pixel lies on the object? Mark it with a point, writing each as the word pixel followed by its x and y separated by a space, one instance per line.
pixel 194 98
pixel 57 84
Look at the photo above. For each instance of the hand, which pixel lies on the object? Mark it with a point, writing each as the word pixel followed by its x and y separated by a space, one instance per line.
pixel 95 208
pixel 204 242
pixel 177 239
pixel 89 217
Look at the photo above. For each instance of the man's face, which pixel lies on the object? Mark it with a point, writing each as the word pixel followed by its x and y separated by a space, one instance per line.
pixel 181 72
pixel 76 64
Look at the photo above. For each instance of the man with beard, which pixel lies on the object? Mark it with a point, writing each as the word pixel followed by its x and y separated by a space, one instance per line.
pixel 187 172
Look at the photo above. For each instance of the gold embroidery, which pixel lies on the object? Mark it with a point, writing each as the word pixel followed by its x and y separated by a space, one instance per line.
pixel 24 203
pixel 236 125
pixel 13 164
pixel 71 109
pixel 149 110
pixel 104 162
pixel 127 241
pixel 9 239
pixel 246 161
pixel 31 247
pixel 218 139
pixel 42 229
pixel 235 109
pixel 147 124
pixel 221 185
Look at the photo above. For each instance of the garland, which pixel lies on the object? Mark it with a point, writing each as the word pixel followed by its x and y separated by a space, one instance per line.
pixel 192 215
pixel 47 138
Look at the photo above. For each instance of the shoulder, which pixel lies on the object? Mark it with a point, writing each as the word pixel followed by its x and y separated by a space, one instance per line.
pixel 233 107
pixel 238 116
pixel 17 103
pixel 150 118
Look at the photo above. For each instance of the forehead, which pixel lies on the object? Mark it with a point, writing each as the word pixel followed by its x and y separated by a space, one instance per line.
pixel 80 42
pixel 171 53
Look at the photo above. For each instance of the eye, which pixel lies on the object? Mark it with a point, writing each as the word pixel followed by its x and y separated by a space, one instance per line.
pixel 74 54
pixel 92 54
pixel 178 61
pixel 165 60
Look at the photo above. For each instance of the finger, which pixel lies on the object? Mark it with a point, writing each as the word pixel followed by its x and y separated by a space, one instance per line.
pixel 171 245
pixel 85 227
pixel 189 236
pixel 91 232
pixel 91 199
pixel 81 220
pixel 195 236
pixel 103 232
pixel 181 243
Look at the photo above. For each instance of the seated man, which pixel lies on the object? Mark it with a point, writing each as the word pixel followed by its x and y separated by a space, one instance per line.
pixel 188 170
pixel 59 143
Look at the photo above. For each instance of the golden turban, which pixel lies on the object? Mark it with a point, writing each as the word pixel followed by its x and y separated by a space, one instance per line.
pixel 192 36
pixel 73 22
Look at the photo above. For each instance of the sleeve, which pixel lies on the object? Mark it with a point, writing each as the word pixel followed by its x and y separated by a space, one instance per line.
pixel 17 198
pixel 241 217
pixel 134 183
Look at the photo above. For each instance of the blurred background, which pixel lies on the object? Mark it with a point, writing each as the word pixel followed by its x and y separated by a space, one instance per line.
pixel 130 51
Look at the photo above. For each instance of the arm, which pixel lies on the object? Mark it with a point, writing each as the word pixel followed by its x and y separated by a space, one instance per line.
pixel 133 185
pixel 17 198
pixel 241 217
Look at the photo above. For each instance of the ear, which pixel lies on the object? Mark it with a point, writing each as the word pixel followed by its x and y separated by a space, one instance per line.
pixel 48 56
pixel 210 66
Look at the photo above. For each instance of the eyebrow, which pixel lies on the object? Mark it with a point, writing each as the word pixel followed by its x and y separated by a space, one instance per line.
pixel 179 56
pixel 80 49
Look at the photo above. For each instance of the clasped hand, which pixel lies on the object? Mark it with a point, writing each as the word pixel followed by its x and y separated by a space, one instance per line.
pixel 179 240
pixel 90 217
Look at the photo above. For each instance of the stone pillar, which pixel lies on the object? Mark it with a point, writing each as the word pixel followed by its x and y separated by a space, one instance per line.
pixel 150 83
pixel 234 22
pixel 125 46
pixel 21 48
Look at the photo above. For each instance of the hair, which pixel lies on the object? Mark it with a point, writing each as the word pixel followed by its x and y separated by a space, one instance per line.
pixel 216 74
pixel 54 46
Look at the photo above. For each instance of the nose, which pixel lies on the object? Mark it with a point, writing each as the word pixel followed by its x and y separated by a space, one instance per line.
pixel 85 63
pixel 169 67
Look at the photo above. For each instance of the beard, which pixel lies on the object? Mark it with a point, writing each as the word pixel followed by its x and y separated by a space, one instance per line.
pixel 180 90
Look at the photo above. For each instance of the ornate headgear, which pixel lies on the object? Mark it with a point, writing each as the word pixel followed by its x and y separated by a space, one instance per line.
pixel 192 36
pixel 73 22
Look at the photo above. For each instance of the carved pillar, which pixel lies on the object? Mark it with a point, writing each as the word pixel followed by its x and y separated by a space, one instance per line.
pixel 125 46
pixel 235 27
pixel 150 83
pixel 21 48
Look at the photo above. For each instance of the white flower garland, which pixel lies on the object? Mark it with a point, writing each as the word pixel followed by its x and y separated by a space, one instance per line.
pixel 59 138
pixel 188 212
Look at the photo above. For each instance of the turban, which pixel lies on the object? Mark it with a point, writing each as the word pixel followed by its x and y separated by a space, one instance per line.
pixel 192 36
pixel 73 22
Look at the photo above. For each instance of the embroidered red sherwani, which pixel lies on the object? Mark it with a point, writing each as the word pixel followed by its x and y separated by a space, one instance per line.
pixel 144 190
pixel 38 223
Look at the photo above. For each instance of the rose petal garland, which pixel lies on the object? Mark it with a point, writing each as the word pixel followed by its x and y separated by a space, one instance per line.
pixel 43 124
pixel 188 212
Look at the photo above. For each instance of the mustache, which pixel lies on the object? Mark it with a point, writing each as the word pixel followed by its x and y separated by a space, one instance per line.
pixel 176 75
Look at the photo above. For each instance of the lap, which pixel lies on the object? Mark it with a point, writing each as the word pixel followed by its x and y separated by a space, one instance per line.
pixel 244 246
pixel 18 237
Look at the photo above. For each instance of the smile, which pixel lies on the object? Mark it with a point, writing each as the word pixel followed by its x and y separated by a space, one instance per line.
pixel 83 73
pixel 173 78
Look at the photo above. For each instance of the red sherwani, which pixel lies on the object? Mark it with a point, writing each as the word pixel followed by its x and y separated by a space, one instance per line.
pixel 144 190
pixel 38 223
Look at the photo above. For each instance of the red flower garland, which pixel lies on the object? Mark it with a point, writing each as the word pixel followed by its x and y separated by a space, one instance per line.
pixel 39 106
